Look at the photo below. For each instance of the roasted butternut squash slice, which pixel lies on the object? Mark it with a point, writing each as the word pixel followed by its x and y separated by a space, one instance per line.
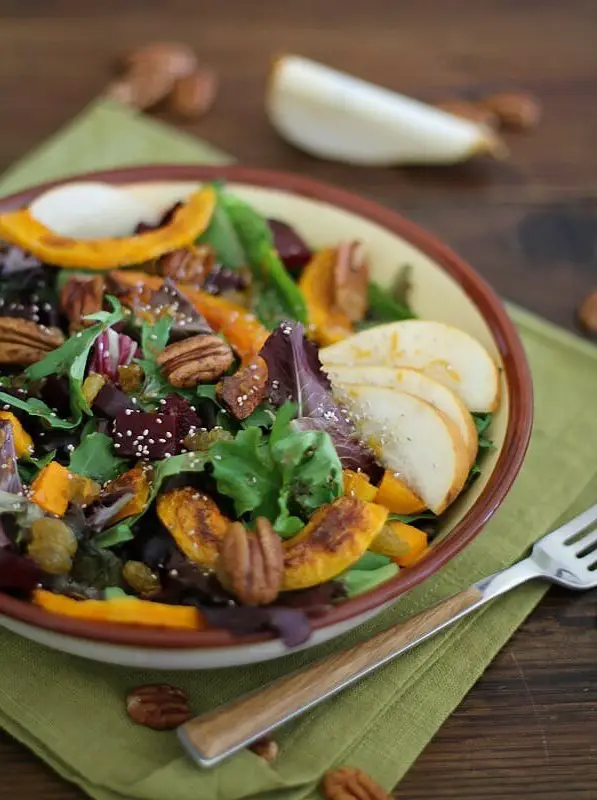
pixel 23 442
pixel 328 325
pixel 401 542
pixel 195 522
pixel 124 611
pixel 396 496
pixel 357 484
pixel 335 537
pixel 188 222
pixel 51 489
pixel 136 480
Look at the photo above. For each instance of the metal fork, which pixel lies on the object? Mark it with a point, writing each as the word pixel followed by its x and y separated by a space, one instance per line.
pixel 567 556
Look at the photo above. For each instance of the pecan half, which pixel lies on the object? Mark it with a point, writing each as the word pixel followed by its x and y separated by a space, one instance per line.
pixel 251 563
pixel 79 297
pixel 24 342
pixel 187 264
pixel 189 362
pixel 158 706
pixel 587 313
pixel 265 748
pixel 246 389
pixel 351 278
pixel 349 783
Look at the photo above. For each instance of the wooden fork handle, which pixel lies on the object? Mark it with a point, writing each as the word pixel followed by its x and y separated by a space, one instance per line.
pixel 215 735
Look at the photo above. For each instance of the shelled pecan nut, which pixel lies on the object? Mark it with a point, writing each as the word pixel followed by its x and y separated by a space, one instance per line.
pixel 515 111
pixel 246 389
pixel 24 342
pixel 348 783
pixel 193 95
pixel 158 706
pixel 351 278
pixel 587 312
pixel 200 358
pixel 466 109
pixel 251 563
pixel 189 265
pixel 80 297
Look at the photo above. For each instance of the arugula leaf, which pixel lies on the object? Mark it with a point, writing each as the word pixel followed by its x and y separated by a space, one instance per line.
pixel 382 307
pixel 207 391
pixel 116 593
pixel 268 477
pixel 221 235
pixel 276 296
pixel 185 462
pixel 371 560
pixel 482 422
pixel 264 416
pixel 37 408
pixel 94 458
pixel 71 357
pixel 359 581
pixel 410 518
pixel 154 336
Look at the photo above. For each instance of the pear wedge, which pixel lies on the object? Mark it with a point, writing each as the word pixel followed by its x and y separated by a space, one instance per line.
pixel 90 210
pixel 413 439
pixel 419 384
pixel 447 354
pixel 332 115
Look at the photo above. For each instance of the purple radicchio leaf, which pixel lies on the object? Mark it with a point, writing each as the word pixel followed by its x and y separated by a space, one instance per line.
pixel 13 260
pixel 295 374
pixel 186 320
pixel 291 248
pixel 110 351
pixel 291 624
pixel 99 515
pixel 9 474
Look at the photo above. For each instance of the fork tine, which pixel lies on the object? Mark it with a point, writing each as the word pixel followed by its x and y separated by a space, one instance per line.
pixel 576 525
pixel 586 543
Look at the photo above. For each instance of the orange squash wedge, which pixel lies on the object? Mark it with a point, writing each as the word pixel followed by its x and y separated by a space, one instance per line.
pixel 188 222
pixel 396 496
pixel 328 326
pixel 123 611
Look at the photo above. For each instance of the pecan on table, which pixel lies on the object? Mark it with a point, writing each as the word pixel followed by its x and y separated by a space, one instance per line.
pixel 202 358
pixel 24 342
pixel 81 296
pixel 348 783
pixel 246 389
pixel 158 706
pixel 350 281
pixel 251 563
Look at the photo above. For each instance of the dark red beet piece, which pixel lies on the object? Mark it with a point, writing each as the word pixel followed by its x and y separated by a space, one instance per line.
pixel 184 412
pixel 291 248
pixel 143 434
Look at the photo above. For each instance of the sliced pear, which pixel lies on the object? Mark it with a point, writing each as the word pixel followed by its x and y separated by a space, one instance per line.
pixel 333 115
pixel 441 351
pixel 90 210
pixel 413 439
pixel 417 383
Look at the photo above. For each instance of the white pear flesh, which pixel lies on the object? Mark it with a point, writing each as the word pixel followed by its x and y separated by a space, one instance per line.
pixel 414 440
pixel 417 383
pixel 90 210
pixel 445 353
pixel 332 115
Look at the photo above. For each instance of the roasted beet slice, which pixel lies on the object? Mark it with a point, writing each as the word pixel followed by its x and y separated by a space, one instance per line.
pixel 110 402
pixel 291 248
pixel 143 434
pixel 185 413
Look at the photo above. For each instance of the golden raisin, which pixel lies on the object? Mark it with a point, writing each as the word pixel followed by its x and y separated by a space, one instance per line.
pixel 130 377
pixel 91 387
pixel 140 577
pixel 52 546
pixel 202 439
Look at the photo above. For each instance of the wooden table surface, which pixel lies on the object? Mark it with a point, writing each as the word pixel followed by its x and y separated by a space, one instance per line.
pixel 529 728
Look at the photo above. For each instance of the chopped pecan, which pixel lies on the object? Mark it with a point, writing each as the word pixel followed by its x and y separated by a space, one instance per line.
pixel 587 312
pixel 24 342
pixel 187 264
pixel 189 362
pixel 265 748
pixel 351 277
pixel 251 563
pixel 158 706
pixel 81 296
pixel 349 783
pixel 246 389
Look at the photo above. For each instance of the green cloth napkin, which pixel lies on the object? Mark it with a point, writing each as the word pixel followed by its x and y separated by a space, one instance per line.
pixel 71 712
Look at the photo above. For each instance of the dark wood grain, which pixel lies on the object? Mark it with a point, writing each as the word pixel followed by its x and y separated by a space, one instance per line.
pixel 529 728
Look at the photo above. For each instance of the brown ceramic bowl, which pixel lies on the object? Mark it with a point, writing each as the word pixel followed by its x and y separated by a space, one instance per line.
pixel 445 288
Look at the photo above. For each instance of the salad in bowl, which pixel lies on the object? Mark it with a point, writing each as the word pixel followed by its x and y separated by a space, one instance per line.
pixel 206 422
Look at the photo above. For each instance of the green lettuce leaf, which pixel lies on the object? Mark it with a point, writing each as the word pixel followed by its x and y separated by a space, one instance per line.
pixel 359 581
pixel 276 296
pixel 222 236
pixel 94 458
pixel 37 408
